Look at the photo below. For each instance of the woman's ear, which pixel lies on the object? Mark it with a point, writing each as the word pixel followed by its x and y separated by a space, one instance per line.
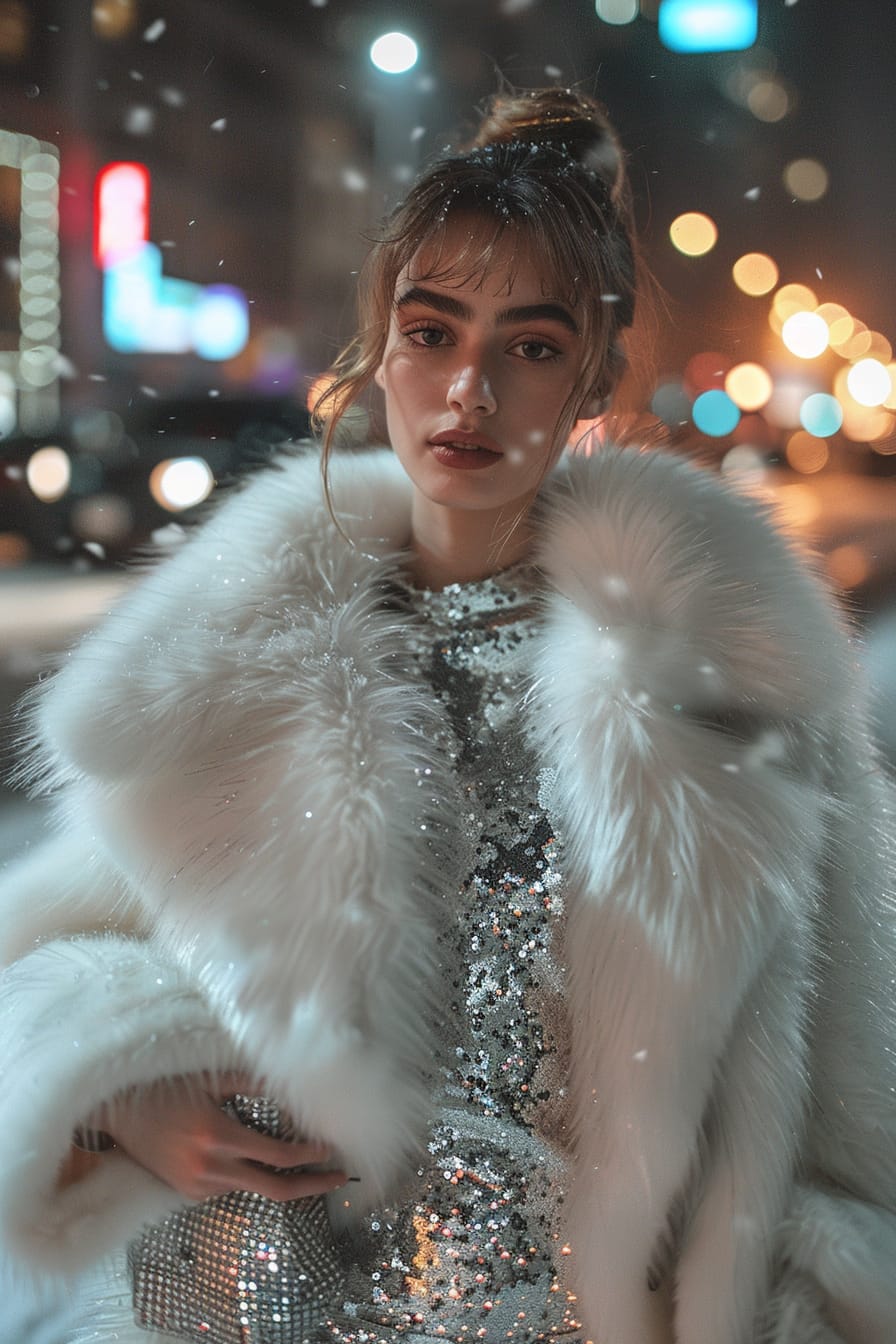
pixel 379 377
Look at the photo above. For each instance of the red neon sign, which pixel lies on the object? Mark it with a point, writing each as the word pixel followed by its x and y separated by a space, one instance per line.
pixel 121 212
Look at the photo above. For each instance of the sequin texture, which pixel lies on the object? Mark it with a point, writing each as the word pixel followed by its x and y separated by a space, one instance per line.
pixel 473 1250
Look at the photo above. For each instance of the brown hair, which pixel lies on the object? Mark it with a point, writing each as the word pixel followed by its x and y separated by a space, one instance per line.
pixel 546 164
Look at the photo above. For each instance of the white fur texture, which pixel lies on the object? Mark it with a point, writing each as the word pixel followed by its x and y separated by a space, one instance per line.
pixel 243 749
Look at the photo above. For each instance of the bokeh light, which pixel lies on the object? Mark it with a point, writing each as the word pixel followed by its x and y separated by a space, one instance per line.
pixel 806 453
pixel 848 565
pixel 839 321
pixel 708 25
pixel 879 348
pixel 805 335
pixel 755 273
pixel 790 299
pixel 14 25
pixel 181 482
pixel 107 519
pixel 749 386
pixel 821 414
pixel 671 403
pixel 797 506
pixel 854 337
pixel 746 465
pixel 693 233
pixel 113 18
pixel 806 179
pixel 394 53
pixel 769 100
pixel 49 473
pixel 706 370
pixel 869 382
pixel 617 11
pixel 714 413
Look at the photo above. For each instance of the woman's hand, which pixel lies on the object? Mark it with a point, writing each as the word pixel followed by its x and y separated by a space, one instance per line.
pixel 176 1129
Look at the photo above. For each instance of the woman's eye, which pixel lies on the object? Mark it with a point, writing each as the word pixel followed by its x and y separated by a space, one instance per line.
pixel 429 336
pixel 536 350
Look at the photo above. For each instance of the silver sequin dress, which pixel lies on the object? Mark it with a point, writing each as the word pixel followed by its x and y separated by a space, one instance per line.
pixel 474 1250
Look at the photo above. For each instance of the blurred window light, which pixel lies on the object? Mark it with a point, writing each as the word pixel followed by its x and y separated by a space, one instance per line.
pixel 821 415
pixel 755 273
pixel 869 382
pixel 693 233
pixel 749 386
pixel 49 472
pixel 714 413
pixel 181 482
pixel 617 11
pixel 806 179
pixel 394 53
pixel 806 453
pixel 806 335
pixel 708 25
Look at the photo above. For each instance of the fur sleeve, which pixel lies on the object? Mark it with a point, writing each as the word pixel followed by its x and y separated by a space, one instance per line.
pixel 81 1019
pixel 686 725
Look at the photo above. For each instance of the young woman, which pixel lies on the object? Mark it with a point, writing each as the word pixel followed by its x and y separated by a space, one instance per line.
pixel 485 841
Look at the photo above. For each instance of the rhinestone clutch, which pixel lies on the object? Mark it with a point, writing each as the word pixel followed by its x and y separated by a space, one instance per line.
pixel 239 1268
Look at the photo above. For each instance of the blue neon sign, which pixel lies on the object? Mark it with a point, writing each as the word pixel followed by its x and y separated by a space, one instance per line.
pixel 708 25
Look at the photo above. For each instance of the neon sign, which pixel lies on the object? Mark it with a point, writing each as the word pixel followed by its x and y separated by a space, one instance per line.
pixel 144 310
pixel 708 25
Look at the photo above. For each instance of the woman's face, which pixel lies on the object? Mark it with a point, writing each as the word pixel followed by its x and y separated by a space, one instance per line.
pixel 477 377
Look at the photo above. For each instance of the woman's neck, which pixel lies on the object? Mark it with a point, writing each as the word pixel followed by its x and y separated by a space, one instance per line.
pixel 463 545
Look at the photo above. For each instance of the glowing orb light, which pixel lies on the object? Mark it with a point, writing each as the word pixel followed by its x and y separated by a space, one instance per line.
pixel 869 382
pixel 821 415
pixel 181 482
pixel 749 386
pixel 617 11
pixel 805 335
pixel 708 25
pixel 49 472
pixel 806 453
pixel 714 413
pixel 840 323
pixel 755 273
pixel 394 53
pixel 693 233
pixel 806 179
pixel 220 322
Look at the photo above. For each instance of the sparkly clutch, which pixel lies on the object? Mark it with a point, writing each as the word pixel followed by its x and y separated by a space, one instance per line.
pixel 239 1268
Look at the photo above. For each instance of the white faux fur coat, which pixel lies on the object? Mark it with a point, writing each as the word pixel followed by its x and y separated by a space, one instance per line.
pixel 238 879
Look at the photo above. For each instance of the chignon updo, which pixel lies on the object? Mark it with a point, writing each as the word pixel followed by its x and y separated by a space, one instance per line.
pixel 545 164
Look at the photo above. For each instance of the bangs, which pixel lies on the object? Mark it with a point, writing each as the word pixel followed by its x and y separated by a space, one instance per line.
pixel 489 249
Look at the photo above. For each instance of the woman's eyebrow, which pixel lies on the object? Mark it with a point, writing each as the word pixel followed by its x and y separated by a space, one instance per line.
pixel 451 307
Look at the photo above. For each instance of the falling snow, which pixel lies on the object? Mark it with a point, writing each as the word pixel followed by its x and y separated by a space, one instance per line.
pixel 220 124
pixel 155 31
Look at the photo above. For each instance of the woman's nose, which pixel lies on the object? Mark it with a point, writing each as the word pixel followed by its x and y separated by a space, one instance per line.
pixel 470 391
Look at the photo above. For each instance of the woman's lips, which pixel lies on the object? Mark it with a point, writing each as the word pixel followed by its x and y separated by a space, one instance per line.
pixel 463 450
